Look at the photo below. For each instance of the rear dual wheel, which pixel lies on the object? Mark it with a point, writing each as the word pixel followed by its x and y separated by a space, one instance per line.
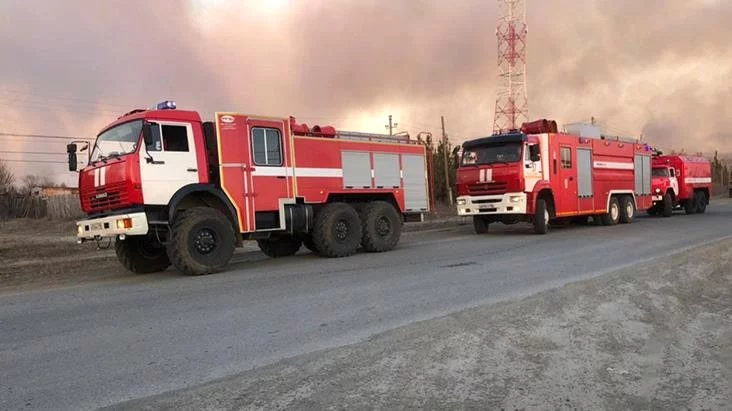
pixel 612 217
pixel 284 246
pixel 381 225
pixel 337 231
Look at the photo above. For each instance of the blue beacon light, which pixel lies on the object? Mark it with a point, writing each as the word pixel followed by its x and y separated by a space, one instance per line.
pixel 166 105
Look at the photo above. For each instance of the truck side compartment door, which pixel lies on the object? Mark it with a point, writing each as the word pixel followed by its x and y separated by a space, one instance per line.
pixel 272 177
pixel 566 200
pixel 584 180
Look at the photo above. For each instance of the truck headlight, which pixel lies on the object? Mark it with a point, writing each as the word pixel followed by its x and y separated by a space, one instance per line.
pixel 124 223
pixel 80 229
pixel 658 191
pixel 461 201
pixel 515 199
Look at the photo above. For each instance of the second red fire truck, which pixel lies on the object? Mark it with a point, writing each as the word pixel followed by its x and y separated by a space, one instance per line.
pixel 541 176
pixel 172 188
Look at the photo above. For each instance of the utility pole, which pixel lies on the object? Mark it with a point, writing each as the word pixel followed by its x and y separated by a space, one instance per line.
pixel 448 190
pixel 391 126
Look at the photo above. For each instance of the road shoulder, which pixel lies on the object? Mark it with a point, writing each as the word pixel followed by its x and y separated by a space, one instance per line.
pixel 658 335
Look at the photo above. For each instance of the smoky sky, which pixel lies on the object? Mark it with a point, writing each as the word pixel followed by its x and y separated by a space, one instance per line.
pixel 657 67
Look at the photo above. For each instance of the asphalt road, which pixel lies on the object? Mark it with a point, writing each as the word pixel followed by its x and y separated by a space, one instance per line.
pixel 102 343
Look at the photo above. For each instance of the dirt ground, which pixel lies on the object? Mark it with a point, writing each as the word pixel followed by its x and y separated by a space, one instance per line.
pixel 657 336
pixel 41 251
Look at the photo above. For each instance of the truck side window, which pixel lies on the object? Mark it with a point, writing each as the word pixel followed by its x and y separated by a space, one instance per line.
pixel 266 146
pixel 673 172
pixel 566 157
pixel 175 138
pixel 157 143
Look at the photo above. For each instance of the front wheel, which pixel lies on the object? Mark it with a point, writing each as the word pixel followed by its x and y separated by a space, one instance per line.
pixel 141 255
pixel 541 218
pixel 202 241
pixel 667 206
pixel 481 224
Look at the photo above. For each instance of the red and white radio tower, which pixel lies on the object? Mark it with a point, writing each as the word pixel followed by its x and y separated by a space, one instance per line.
pixel 512 108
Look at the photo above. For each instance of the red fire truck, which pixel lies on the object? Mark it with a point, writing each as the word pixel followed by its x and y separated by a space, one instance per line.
pixel 541 176
pixel 680 181
pixel 172 188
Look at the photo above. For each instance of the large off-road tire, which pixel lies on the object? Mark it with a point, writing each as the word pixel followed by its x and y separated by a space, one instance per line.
pixel 381 225
pixel 142 255
pixel 627 209
pixel 701 205
pixel 481 224
pixel 667 207
pixel 612 216
pixel 541 217
pixel 202 241
pixel 307 241
pixel 337 231
pixel 279 246
pixel 690 205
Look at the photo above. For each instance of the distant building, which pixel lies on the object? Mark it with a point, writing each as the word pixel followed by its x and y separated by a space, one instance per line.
pixel 53 191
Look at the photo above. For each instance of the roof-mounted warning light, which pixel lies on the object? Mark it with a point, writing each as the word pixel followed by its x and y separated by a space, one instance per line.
pixel 166 105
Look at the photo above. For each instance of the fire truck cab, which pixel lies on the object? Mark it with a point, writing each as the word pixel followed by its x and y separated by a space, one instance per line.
pixel 171 188
pixel 541 176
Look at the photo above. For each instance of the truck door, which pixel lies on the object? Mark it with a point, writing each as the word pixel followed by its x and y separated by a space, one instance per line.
pixel 566 201
pixel 169 163
pixel 272 174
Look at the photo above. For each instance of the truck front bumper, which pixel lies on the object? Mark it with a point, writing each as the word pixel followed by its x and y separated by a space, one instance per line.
pixel 509 203
pixel 656 198
pixel 112 226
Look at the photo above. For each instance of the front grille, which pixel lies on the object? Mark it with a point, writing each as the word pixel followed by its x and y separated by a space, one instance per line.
pixel 485 189
pixel 116 195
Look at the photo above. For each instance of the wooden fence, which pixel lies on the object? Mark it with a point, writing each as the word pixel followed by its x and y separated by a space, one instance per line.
pixel 61 207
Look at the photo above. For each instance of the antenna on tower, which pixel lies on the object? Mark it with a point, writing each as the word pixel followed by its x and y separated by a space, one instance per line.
pixel 512 108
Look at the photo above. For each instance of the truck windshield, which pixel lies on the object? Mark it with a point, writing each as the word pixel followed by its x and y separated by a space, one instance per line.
pixel 495 153
pixel 117 141
pixel 660 172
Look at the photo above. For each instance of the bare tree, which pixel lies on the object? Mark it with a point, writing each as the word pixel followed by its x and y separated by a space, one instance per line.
pixel 30 181
pixel 7 179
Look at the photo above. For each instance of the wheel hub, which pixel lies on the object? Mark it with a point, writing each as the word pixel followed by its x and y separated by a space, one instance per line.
pixel 383 226
pixel 341 230
pixel 205 241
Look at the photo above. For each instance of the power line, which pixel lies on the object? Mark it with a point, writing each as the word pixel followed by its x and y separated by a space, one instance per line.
pixel 44 136
pixel 32 161
pixel 33 93
pixel 32 152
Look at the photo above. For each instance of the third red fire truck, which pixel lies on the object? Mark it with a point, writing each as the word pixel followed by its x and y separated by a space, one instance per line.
pixel 172 188
pixel 680 181
pixel 542 176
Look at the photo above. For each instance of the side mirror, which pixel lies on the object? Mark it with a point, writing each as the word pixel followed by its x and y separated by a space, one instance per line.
pixel 147 136
pixel 71 150
pixel 535 152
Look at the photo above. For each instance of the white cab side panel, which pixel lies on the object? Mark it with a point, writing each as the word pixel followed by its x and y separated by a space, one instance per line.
pixel 180 168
